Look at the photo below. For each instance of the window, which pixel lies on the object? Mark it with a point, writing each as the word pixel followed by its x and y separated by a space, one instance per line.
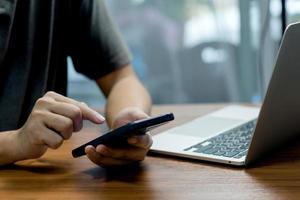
pixel 197 50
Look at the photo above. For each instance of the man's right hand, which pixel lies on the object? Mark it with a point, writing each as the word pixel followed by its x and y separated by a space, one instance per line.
pixel 53 119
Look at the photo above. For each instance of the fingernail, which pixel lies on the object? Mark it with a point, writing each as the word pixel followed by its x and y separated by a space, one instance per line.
pixel 88 148
pixel 102 150
pixel 132 140
pixel 100 117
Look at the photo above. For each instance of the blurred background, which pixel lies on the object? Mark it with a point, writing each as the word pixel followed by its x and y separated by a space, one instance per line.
pixel 190 51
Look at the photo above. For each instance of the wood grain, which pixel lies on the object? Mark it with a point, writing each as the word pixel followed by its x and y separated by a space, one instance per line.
pixel 58 176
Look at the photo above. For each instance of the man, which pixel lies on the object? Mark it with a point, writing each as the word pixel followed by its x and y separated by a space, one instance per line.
pixel 36 36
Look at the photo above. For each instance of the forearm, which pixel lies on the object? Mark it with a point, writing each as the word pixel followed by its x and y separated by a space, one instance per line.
pixel 127 92
pixel 8 152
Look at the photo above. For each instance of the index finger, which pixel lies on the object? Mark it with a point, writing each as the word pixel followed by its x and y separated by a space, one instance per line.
pixel 87 112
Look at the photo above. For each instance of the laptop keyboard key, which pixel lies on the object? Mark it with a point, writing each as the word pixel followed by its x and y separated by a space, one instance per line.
pixel 241 154
pixel 210 151
pixel 231 154
pixel 233 143
pixel 219 153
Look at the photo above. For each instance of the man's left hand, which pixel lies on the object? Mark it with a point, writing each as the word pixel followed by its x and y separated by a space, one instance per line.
pixel 139 145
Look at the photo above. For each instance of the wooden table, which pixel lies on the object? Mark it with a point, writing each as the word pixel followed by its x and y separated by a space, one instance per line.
pixel 58 176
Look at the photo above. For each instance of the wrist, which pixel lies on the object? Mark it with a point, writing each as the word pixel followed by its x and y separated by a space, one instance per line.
pixel 17 146
pixel 9 150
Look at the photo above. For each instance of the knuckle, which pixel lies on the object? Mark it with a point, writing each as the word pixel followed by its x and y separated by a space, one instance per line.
pixel 67 136
pixel 50 94
pixel 83 103
pixel 67 128
pixel 79 126
pixel 69 124
pixel 57 144
pixel 37 114
pixel 76 112
pixel 43 101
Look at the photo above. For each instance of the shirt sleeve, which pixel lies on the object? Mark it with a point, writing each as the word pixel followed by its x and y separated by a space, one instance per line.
pixel 96 46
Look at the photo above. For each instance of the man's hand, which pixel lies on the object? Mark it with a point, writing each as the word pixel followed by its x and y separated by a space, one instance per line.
pixel 53 119
pixel 106 156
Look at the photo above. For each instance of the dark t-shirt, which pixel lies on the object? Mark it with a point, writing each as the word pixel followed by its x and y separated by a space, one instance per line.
pixel 5 16
pixel 39 37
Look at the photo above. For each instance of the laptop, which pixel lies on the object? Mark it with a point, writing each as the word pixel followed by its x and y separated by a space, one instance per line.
pixel 241 135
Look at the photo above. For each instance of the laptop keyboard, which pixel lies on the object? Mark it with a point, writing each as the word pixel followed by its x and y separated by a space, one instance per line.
pixel 232 144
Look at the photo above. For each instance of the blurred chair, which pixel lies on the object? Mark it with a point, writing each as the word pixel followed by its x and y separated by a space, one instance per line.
pixel 162 79
pixel 151 37
pixel 209 72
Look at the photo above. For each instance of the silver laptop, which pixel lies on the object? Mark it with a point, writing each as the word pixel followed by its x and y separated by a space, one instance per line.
pixel 240 135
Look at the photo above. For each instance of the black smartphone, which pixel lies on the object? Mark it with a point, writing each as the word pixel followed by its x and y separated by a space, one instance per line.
pixel 119 136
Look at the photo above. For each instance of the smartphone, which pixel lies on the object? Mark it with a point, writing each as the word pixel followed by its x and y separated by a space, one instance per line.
pixel 118 137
